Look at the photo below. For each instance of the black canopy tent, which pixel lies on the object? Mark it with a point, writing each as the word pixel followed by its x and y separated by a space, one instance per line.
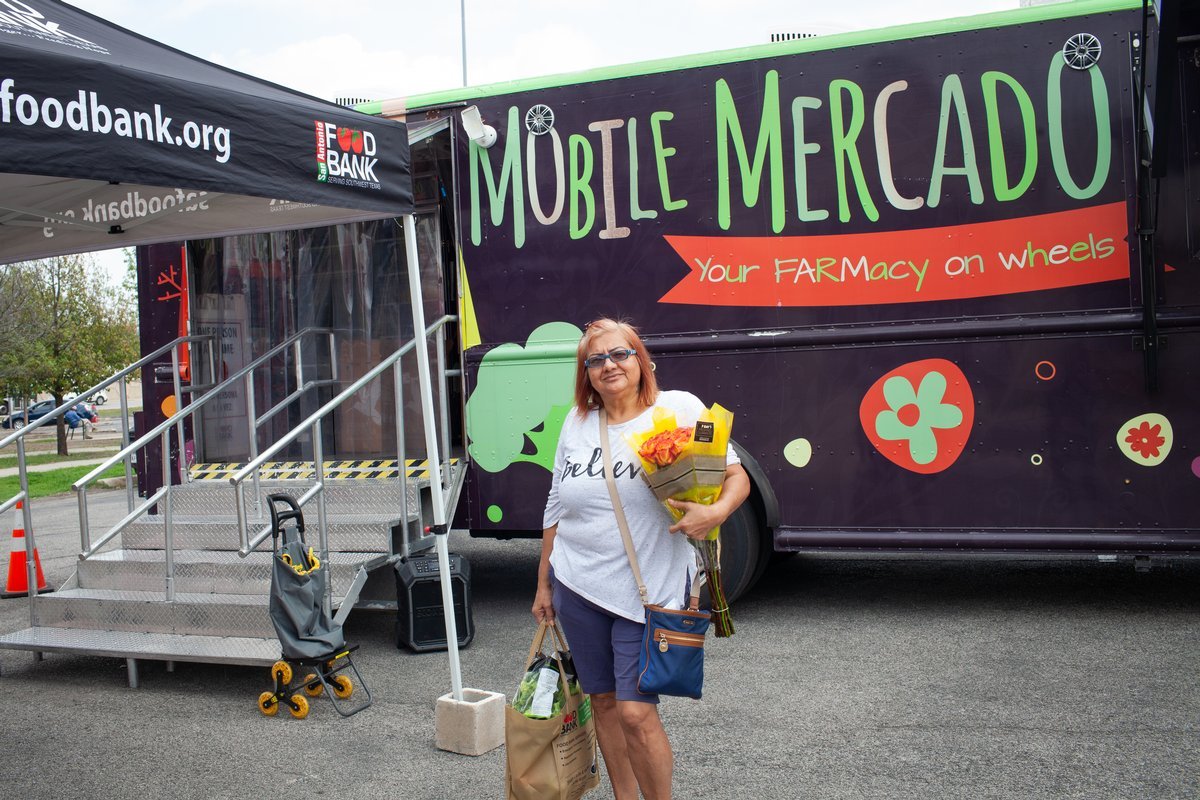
pixel 110 139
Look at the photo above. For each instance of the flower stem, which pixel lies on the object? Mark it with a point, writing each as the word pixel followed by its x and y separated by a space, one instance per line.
pixel 721 616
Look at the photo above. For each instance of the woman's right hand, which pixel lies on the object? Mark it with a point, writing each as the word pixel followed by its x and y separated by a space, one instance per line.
pixel 543 604
pixel 543 601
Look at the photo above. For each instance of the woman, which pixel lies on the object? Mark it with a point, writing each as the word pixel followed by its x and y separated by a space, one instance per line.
pixel 584 579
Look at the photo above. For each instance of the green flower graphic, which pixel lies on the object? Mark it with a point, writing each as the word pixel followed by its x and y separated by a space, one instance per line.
pixel 913 415
pixel 521 397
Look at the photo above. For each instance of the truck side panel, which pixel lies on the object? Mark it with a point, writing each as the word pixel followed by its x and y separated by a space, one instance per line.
pixel 905 263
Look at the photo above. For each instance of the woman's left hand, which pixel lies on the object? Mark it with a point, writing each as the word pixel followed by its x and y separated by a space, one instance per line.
pixel 698 520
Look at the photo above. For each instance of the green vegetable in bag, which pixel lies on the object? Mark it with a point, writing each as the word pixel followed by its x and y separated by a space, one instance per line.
pixel 539 695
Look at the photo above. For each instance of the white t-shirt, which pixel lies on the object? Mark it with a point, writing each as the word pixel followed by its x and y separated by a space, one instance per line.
pixel 588 555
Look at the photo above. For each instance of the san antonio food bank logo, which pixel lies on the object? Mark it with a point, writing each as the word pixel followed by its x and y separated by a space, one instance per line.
pixel 346 156
pixel 919 415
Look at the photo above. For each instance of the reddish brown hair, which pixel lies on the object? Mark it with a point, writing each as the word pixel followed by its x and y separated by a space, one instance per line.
pixel 585 396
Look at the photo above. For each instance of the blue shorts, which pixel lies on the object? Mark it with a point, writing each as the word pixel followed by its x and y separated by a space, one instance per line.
pixel 604 646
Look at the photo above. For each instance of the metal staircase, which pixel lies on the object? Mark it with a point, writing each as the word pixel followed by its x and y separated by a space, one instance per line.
pixel 115 605
pixel 189 580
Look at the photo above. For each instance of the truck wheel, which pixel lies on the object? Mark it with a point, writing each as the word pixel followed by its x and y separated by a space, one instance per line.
pixel 741 551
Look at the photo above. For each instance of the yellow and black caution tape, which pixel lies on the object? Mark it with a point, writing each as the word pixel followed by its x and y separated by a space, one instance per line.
pixel 303 470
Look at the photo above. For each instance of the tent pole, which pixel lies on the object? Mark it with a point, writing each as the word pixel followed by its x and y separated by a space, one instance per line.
pixel 462 8
pixel 440 526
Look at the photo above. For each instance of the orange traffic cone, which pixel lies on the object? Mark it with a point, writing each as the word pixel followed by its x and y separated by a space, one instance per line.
pixel 18 574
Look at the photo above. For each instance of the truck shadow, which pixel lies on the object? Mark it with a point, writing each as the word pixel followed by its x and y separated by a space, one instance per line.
pixel 1015 582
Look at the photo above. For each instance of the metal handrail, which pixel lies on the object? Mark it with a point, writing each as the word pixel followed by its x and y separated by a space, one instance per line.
pixel 195 406
pixel 53 415
pixel 162 430
pixel 312 424
pixel 20 435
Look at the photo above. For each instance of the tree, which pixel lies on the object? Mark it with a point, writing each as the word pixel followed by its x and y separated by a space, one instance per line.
pixel 69 330
pixel 16 305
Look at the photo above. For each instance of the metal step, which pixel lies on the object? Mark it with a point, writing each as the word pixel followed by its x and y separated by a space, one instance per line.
pixel 352 533
pixel 241 615
pixel 115 604
pixel 251 651
pixel 200 571
pixel 367 496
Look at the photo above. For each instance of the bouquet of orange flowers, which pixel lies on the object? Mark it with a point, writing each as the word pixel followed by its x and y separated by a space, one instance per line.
pixel 681 462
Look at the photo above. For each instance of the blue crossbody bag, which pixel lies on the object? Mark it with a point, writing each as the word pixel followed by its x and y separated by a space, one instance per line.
pixel 671 661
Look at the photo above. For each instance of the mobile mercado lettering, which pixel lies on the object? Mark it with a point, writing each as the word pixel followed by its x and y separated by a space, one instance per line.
pixel 997 129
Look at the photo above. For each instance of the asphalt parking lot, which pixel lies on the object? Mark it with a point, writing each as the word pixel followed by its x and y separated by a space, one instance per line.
pixel 848 678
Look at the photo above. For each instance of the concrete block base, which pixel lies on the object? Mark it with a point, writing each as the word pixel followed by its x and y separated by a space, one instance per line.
pixel 472 726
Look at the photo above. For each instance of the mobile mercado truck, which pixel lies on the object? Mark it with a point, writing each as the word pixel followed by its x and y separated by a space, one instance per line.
pixel 946 275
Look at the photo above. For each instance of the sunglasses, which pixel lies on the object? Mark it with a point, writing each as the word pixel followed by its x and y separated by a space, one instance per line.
pixel 597 361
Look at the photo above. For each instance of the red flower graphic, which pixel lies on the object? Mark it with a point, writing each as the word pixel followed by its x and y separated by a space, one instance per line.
pixel 1145 439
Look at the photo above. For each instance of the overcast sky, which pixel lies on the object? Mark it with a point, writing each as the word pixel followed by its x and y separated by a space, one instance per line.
pixel 381 49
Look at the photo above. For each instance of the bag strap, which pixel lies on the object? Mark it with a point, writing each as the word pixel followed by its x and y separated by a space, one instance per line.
pixel 539 640
pixel 623 524
pixel 560 647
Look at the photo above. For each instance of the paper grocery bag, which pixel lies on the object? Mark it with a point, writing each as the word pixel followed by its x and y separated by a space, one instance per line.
pixel 555 758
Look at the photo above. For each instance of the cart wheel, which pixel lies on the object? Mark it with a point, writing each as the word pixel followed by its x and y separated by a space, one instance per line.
pixel 301 710
pixel 267 704
pixel 312 685
pixel 283 670
pixel 343 687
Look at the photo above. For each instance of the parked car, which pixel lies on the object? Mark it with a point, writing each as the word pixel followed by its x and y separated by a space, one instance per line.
pixel 99 398
pixel 40 409
pixel 8 404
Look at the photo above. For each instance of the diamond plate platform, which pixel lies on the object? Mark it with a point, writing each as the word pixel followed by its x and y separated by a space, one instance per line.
pixel 150 612
pixel 201 571
pixel 385 497
pixel 356 533
pixel 251 651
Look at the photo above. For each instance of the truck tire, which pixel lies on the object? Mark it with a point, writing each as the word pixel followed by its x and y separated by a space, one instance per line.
pixel 743 557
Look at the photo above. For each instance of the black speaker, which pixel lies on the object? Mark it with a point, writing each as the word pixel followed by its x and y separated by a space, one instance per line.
pixel 420 621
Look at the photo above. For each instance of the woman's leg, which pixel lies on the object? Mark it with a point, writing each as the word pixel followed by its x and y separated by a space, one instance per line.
pixel 611 737
pixel 648 746
pixel 589 633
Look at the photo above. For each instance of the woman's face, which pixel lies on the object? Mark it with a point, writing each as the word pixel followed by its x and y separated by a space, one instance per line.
pixel 613 380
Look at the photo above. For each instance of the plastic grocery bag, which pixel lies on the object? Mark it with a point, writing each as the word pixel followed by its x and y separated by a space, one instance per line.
pixel 551 757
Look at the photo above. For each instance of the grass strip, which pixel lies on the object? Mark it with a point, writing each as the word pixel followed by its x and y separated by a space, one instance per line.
pixel 34 459
pixel 54 482
pixel 114 412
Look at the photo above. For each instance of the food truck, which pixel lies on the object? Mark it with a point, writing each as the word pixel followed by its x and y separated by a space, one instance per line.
pixel 945 275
